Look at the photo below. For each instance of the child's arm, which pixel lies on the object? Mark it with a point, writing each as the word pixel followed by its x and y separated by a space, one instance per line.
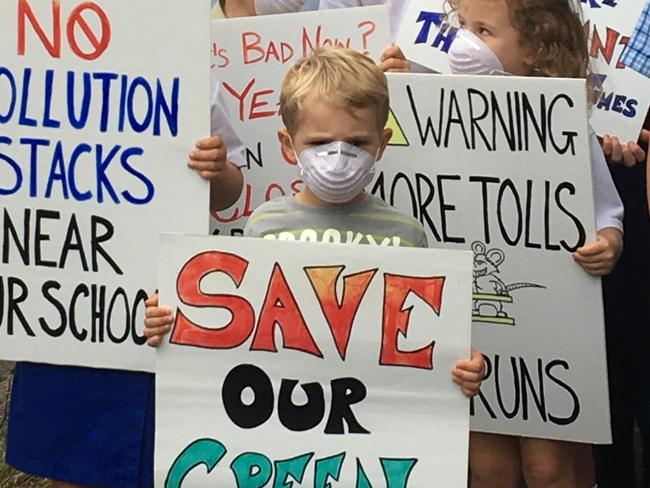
pixel 210 160
pixel 600 256
pixel 393 60
pixel 157 322
pixel 469 373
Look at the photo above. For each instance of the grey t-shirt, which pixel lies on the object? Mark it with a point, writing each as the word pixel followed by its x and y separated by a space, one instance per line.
pixel 369 221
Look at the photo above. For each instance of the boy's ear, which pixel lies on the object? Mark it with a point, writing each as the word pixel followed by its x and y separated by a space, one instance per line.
pixel 385 139
pixel 286 146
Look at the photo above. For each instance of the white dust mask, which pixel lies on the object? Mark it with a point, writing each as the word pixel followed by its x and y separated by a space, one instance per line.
pixel 469 55
pixel 336 172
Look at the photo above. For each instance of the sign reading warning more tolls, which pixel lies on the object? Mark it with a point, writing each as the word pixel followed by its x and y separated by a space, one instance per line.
pixel 314 364
pixel 502 166
pixel 94 132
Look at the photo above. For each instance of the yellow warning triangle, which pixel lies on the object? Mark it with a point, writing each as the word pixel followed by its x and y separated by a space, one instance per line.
pixel 399 137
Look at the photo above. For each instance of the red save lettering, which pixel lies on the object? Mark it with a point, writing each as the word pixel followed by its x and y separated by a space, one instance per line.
pixel 281 311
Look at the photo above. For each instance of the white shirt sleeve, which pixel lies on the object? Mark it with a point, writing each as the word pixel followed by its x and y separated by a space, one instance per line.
pixel 607 203
pixel 325 4
pixel 220 126
pixel 264 7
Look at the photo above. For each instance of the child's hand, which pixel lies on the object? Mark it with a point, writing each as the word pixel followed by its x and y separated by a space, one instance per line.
pixel 600 256
pixel 393 60
pixel 209 158
pixel 628 154
pixel 469 374
pixel 157 322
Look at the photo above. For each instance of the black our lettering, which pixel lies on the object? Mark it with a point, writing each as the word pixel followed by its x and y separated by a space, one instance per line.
pixel 236 381
pixel 299 418
pixel 345 392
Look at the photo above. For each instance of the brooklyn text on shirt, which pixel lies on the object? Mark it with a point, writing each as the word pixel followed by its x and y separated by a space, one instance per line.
pixel 336 236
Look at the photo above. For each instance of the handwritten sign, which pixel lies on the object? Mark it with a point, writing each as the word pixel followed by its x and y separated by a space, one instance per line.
pixel 250 57
pixel 427 34
pixel 311 363
pixel 94 134
pixel 501 166
pixel 624 101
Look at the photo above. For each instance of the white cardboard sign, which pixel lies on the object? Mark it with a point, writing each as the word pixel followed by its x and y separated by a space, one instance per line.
pixel 317 364
pixel 94 136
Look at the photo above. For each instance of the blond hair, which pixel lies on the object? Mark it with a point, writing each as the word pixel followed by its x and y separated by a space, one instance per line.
pixel 339 75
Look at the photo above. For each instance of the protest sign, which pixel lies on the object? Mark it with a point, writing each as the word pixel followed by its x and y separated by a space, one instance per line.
pixel 501 166
pixel 99 105
pixel 250 57
pixel 622 102
pixel 427 34
pixel 311 363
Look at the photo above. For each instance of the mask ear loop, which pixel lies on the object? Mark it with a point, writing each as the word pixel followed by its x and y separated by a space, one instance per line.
pixel 293 149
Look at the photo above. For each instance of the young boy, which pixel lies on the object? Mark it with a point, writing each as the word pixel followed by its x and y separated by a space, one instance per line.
pixel 94 427
pixel 334 105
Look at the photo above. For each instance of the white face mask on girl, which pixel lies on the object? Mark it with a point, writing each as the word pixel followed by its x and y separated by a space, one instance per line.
pixel 336 172
pixel 469 55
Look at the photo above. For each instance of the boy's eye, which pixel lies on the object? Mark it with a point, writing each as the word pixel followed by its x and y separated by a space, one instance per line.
pixel 359 142
pixel 483 31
